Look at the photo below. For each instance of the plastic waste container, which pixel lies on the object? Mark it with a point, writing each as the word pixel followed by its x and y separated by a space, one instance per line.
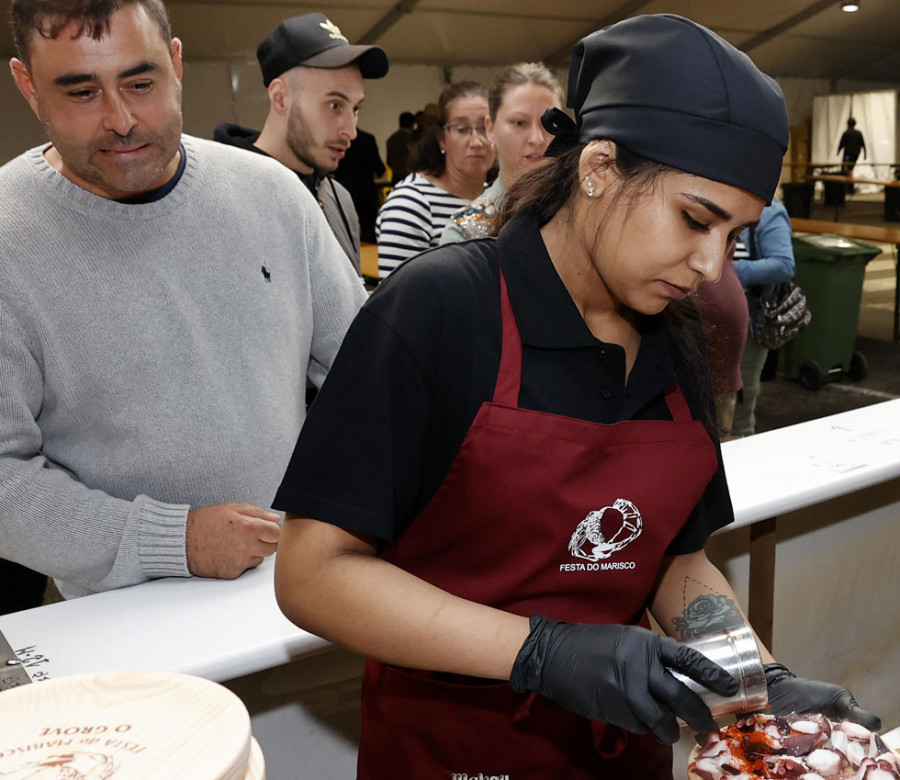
pixel 892 203
pixel 835 192
pixel 797 197
pixel 830 271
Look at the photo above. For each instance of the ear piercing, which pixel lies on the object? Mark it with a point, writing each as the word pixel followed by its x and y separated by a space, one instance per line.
pixel 589 185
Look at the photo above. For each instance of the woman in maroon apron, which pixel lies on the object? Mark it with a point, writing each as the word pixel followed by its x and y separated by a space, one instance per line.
pixel 511 461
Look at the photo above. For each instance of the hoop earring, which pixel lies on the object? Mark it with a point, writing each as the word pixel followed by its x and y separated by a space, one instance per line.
pixel 590 186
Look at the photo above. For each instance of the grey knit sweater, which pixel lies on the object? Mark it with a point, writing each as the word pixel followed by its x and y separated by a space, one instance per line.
pixel 154 357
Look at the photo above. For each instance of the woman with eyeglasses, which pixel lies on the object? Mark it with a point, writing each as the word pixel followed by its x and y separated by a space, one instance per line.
pixel 450 165
pixel 514 461
pixel 517 100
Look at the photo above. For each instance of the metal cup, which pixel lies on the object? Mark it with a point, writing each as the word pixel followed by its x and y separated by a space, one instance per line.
pixel 735 650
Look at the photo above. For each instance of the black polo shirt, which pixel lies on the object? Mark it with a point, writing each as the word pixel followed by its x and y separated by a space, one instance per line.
pixel 422 356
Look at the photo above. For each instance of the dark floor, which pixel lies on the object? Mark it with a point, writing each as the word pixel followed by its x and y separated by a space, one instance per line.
pixel 785 402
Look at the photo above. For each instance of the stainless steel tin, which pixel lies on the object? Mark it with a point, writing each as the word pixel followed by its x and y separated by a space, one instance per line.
pixel 12 673
pixel 736 651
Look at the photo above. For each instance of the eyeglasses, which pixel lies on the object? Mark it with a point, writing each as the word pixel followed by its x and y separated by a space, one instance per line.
pixel 465 131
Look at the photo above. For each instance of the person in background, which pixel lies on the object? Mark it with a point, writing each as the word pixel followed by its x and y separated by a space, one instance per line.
pixel 451 162
pixel 314 79
pixel 764 258
pixel 425 118
pixel 515 457
pixel 357 172
pixel 399 147
pixel 517 99
pixel 163 299
pixel 723 310
pixel 851 143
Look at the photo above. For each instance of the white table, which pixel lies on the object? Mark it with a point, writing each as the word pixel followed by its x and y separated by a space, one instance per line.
pixel 217 629
pixel 784 470
pixel 233 632
pixel 221 629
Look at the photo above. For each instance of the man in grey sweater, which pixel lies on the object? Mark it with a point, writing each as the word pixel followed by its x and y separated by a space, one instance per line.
pixel 162 301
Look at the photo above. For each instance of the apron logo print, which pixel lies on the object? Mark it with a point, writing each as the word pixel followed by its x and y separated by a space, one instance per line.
pixel 589 541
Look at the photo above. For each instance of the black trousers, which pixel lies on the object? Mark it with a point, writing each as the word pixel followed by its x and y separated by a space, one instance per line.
pixel 20 588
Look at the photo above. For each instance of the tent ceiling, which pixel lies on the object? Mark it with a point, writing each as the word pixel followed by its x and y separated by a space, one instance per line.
pixel 800 38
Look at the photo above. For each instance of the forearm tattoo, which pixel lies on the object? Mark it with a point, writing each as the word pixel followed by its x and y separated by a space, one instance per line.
pixel 708 614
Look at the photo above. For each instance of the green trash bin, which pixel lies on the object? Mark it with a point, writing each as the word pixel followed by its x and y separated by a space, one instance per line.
pixel 830 271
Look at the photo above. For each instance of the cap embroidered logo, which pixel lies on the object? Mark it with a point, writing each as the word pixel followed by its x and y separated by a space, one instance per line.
pixel 333 30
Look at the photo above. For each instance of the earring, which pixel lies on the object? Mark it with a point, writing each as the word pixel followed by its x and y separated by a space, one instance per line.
pixel 590 186
pixel 443 151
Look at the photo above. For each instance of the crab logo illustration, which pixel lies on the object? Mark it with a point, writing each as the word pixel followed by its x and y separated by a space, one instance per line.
pixel 589 542
pixel 334 32
pixel 64 766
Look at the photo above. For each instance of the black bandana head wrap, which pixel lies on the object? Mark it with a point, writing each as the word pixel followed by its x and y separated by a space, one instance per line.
pixel 674 92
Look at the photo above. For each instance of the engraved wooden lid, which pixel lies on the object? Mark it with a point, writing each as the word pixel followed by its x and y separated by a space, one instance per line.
pixel 256 770
pixel 126 725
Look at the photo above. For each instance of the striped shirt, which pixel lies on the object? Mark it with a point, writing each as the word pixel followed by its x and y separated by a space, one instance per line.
pixel 742 249
pixel 412 220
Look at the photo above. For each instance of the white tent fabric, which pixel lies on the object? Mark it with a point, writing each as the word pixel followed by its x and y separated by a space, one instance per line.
pixel 876 118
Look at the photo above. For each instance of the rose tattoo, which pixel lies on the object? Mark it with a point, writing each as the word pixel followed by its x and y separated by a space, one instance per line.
pixel 708 615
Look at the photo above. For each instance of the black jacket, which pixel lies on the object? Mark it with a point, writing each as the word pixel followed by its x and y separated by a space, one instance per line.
pixel 334 199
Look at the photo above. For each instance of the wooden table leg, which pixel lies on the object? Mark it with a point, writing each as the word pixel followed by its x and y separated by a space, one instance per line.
pixel 761 606
pixel 897 293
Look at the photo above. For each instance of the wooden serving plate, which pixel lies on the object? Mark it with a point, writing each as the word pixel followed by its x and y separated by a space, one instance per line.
pixel 256 770
pixel 129 725
pixel 695 751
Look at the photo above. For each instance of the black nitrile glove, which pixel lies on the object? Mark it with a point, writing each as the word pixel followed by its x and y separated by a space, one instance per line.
pixel 789 693
pixel 617 674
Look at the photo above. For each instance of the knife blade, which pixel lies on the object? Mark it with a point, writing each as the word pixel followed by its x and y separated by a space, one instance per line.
pixel 12 673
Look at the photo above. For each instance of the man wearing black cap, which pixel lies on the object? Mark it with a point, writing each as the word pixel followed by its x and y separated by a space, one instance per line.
pixel 314 79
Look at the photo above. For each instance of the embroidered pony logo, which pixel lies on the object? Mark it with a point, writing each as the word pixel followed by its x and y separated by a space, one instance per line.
pixel 589 541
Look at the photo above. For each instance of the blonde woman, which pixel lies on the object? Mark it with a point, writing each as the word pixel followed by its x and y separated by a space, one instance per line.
pixel 518 98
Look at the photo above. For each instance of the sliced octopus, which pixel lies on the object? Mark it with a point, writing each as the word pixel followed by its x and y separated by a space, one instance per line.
pixel 792 747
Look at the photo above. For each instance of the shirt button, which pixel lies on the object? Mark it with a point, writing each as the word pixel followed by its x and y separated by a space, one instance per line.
pixel 601 354
pixel 605 394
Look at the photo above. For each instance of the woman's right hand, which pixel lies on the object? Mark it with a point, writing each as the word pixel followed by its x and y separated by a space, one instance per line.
pixel 619 675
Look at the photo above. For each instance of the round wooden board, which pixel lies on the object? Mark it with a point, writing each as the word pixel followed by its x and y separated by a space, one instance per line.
pixel 695 751
pixel 129 725
pixel 256 770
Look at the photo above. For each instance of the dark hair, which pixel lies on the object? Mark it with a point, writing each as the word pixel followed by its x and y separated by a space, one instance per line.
pixel 50 17
pixel 407 119
pixel 851 122
pixel 427 157
pixel 515 76
pixel 549 187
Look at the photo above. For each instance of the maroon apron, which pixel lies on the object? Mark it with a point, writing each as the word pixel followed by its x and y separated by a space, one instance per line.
pixel 546 514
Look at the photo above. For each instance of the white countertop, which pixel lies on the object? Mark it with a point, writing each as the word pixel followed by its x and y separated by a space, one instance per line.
pixel 790 468
pixel 217 629
pixel 221 629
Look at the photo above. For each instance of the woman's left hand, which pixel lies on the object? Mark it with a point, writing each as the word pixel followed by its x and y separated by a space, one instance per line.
pixel 789 693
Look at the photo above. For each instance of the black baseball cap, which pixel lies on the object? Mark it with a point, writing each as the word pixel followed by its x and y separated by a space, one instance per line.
pixel 316 42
